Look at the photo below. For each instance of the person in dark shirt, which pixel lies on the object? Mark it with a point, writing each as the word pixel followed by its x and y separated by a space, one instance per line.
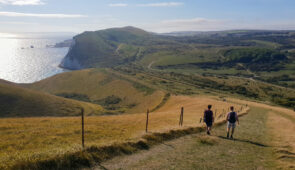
pixel 232 118
pixel 208 119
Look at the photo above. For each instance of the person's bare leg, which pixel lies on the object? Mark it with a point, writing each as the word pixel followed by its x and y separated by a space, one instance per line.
pixel 232 132
pixel 228 132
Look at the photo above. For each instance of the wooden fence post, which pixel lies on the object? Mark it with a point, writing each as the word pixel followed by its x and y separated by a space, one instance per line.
pixel 182 112
pixel 147 120
pixel 181 117
pixel 82 116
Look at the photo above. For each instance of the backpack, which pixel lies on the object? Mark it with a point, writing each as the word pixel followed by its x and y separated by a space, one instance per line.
pixel 232 117
pixel 208 116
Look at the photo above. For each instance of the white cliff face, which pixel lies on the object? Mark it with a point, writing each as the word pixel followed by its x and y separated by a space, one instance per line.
pixel 72 64
pixel 69 62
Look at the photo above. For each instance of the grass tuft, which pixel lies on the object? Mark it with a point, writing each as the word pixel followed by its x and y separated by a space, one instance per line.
pixel 207 141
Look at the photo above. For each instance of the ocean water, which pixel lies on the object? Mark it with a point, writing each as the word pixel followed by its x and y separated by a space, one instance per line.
pixel 20 63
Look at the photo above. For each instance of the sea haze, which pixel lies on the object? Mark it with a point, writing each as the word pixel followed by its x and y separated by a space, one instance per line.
pixel 25 58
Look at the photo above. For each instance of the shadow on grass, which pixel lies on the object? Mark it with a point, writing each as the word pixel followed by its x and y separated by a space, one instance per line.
pixel 102 167
pixel 245 141
pixel 168 145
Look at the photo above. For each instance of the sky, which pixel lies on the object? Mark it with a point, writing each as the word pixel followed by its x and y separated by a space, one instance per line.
pixel 151 15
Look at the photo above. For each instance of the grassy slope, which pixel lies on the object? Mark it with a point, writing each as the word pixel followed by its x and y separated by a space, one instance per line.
pixel 189 84
pixel 282 128
pixel 98 84
pixel 252 149
pixel 44 138
pixel 21 102
pixel 108 47
pixel 195 54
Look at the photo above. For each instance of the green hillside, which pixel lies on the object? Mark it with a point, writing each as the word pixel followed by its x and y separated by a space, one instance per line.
pixel 20 102
pixel 186 83
pixel 263 55
pixel 106 48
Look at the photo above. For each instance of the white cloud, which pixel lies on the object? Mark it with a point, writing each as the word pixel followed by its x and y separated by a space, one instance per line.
pixel 18 14
pixel 164 4
pixel 22 2
pixel 118 5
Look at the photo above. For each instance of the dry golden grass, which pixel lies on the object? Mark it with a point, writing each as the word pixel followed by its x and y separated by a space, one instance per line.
pixel 285 111
pixel 284 139
pixel 42 138
pixel 98 84
pixel 281 124
pixel 20 102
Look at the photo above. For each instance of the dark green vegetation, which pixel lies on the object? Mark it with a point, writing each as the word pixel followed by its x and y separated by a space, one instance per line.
pixel 75 96
pixel 256 59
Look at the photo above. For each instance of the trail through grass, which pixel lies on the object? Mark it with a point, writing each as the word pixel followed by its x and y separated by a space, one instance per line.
pixel 35 139
pixel 251 149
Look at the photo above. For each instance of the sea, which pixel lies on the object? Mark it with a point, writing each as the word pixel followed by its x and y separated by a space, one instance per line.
pixel 30 57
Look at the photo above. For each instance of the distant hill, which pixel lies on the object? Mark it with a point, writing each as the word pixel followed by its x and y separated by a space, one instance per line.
pixel 17 101
pixel 105 48
pixel 262 54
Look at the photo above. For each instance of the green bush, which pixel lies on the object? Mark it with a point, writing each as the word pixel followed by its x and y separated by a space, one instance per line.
pixel 75 96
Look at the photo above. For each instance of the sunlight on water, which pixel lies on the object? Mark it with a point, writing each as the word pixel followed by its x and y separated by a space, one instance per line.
pixel 25 60
pixel 8 35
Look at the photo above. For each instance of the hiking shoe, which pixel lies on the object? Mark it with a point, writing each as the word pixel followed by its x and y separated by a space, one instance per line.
pixel 208 133
pixel 227 135
pixel 231 137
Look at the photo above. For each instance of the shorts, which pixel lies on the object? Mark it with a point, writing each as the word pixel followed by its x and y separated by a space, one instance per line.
pixel 231 125
pixel 209 124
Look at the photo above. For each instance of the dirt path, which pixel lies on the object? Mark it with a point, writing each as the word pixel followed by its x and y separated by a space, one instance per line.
pixel 252 148
pixel 150 65
pixel 283 129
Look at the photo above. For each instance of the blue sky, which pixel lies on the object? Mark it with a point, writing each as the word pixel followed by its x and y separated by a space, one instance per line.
pixel 152 15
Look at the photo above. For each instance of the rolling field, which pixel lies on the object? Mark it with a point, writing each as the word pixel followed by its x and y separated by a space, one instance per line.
pixel 20 102
pixel 97 85
pixel 128 71
pixel 34 139
pixel 264 139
